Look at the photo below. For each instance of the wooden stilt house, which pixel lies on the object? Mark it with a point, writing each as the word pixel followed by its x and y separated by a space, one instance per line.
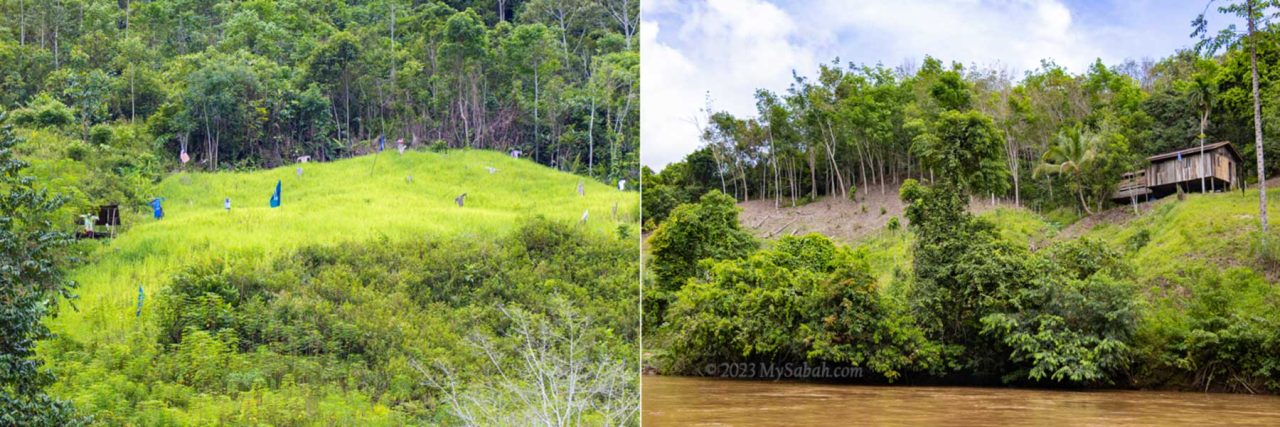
pixel 1217 163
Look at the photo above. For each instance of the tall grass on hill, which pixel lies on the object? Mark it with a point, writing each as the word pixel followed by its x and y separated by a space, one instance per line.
pixel 350 202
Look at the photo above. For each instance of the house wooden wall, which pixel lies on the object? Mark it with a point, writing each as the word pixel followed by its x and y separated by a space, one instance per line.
pixel 1215 164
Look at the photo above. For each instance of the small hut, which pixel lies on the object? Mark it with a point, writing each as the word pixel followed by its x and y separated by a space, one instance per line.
pixel 108 216
pixel 1217 163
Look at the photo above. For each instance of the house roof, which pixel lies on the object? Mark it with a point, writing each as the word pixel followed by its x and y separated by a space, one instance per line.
pixel 1193 150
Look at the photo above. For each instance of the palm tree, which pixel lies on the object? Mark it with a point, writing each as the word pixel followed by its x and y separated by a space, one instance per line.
pixel 1202 91
pixel 1071 150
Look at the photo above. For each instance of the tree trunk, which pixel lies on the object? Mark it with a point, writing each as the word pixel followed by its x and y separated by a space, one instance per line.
pixel 1257 120
pixel 813 174
pixel 1203 169
pixel 880 169
pixel 591 141
pixel 835 167
pixel 1084 204
pixel 862 167
pixel 1011 149
pixel 535 111
pixel 133 104
pixel 791 180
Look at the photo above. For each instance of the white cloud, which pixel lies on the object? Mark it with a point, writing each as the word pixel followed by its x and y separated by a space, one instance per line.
pixel 727 48
pixel 730 48
pixel 1012 32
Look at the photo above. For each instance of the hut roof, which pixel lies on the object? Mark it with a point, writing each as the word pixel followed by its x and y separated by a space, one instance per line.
pixel 1196 149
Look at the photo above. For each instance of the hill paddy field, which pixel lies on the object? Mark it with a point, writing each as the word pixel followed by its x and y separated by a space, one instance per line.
pixel 107 337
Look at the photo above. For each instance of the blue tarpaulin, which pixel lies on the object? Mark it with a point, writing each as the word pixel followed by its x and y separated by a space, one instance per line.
pixel 140 298
pixel 275 198
pixel 156 208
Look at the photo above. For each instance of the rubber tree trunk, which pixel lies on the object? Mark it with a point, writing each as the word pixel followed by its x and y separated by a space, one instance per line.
pixel 1257 120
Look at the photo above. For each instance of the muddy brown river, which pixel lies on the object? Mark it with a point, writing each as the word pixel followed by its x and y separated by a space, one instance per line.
pixel 685 401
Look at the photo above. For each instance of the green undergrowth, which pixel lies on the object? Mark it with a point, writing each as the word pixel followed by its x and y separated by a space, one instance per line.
pixel 1180 296
pixel 333 308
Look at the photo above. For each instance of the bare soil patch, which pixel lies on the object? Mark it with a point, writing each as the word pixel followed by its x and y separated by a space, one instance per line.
pixel 834 217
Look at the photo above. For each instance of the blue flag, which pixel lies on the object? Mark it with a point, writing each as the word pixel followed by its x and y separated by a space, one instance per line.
pixel 156 209
pixel 275 198
pixel 140 297
pixel 382 142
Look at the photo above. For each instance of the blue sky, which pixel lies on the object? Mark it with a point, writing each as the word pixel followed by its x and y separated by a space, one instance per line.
pixel 729 48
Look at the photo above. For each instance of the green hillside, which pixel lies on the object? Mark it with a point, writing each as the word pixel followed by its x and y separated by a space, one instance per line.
pixel 360 214
pixel 1184 291
pixel 1163 241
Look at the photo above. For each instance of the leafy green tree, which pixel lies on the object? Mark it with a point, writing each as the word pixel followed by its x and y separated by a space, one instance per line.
pixel 964 149
pixel 1255 12
pixel 31 281
pixel 960 270
pixel 803 300
pixel 707 229
pixel 531 55
pixel 333 64
pixel 1074 322
pixel 615 87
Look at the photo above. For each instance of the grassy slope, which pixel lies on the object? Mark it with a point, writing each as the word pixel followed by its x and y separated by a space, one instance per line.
pixel 1217 230
pixel 330 202
pixel 1205 230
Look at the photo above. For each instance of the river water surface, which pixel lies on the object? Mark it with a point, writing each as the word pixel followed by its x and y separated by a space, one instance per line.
pixel 682 401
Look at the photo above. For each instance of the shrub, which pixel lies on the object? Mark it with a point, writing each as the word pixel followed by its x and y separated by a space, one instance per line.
pixel 708 229
pixel 804 300
pixel 1267 249
pixel 78 151
pixel 1138 240
pixel 438 146
pixel 100 134
pixel 1220 333
pixel 43 111
pixel 360 316
pixel 1066 328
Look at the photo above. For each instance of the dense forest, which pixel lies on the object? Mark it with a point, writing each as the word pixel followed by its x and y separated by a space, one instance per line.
pixel 260 83
pixel 1066 138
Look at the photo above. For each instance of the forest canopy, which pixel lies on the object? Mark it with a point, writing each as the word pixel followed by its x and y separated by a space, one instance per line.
pixel 258 83
pixel 1065 137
